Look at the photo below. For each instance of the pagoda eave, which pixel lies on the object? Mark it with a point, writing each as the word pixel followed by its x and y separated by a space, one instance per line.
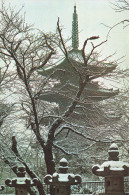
pixel 64 96
pixel 68 66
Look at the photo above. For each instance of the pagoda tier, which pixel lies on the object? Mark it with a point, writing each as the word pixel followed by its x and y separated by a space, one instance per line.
pixel 84 113
pixel 68 92
pixel 69 69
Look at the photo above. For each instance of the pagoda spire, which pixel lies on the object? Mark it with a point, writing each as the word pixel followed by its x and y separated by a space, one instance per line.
pixel 75 39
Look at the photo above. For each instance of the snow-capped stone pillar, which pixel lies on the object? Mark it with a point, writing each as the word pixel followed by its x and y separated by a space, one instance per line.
pixel 21 182
pixel 114 172
pixel 62 180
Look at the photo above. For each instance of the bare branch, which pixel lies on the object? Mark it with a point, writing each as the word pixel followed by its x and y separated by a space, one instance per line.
pixel 63 150
pixel 62 41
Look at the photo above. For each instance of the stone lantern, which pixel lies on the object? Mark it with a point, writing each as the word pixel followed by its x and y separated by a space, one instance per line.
pixel 114 172
pixel 21 182
pixel 1 188
pixel 62 180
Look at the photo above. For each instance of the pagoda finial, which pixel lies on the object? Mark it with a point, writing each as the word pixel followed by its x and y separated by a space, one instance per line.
pixel 75 39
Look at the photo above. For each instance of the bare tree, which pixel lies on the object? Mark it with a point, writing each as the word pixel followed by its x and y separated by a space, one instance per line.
pixel 121 5
pixel 24 52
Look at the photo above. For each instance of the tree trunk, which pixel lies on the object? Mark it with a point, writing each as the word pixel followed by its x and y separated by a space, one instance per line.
pixel 50 164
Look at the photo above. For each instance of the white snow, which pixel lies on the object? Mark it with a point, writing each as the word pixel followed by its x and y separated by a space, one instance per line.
pixel 114 146
pixel 113 166
pixel 21 180
pixel 64 160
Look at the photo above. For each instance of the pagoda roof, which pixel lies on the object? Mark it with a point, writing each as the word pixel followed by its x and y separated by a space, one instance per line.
pixel 75 64
pixel 67 93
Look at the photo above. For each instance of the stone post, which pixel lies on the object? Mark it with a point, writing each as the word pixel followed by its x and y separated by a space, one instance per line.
pixel 62 180
pixel 21 182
